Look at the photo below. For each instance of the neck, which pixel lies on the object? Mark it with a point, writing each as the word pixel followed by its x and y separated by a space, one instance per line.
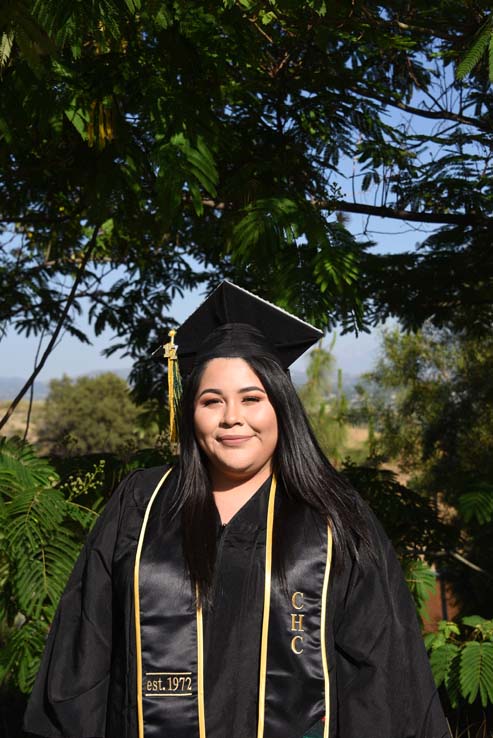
pixel 231 494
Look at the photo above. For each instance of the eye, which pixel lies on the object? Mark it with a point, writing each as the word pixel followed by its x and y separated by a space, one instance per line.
pixel 210 401
pixel 251 399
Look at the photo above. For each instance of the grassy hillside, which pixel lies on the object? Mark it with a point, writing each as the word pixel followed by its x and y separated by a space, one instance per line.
pixel 16 425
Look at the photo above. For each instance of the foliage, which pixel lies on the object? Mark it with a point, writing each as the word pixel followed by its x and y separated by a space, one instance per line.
pixel 114 467
pixel 431 398
pixel 42 528
pixel 129 120
pixel 93 414
pixel 407 517
pixel 422 581
pixel 326 409
pixel 483 41
pixel 46 511
pixel 461 657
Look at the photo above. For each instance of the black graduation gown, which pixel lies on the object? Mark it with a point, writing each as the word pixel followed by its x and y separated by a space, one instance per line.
pixel 380 680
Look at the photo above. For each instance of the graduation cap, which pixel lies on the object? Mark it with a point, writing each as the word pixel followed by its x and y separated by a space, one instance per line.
pixel 233 322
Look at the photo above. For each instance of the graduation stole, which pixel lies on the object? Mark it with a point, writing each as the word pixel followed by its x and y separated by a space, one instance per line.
pixel 294 673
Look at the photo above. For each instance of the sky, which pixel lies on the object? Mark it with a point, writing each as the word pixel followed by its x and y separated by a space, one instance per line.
pixel 354 355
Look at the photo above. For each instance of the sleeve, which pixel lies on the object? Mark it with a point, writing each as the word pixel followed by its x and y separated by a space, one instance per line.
pixel 70 693
pixel 385 688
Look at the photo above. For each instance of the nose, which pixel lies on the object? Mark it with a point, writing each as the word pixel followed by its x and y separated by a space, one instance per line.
pixel 231 414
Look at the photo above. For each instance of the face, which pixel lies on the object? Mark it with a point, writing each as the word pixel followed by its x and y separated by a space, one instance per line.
pixel 235 423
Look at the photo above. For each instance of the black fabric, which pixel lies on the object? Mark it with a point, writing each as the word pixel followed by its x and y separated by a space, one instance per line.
pixel 381 685
pixel 168 627
pixel 232 626
pixel 295 682
pixel 235 340
pixel 278 333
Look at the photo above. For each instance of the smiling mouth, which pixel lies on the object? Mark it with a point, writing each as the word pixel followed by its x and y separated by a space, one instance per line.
pixel 233 440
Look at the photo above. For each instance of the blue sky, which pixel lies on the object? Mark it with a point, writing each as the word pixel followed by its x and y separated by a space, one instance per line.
pixel 354 354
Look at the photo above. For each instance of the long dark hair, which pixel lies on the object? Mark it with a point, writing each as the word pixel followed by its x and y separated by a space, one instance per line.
pixel 302 470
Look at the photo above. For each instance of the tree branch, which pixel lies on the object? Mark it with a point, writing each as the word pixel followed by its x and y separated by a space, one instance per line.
pixel 31 393
pixel 432 114
pixel 378 211
pixel 397 214
pixel 56 332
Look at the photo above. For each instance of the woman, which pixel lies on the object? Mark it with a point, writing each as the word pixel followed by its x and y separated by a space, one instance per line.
pixel 247 591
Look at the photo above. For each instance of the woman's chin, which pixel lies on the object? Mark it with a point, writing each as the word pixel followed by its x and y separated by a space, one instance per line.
pixel 240 472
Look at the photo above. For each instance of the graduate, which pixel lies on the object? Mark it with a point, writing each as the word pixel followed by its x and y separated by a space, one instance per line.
pixel 247 591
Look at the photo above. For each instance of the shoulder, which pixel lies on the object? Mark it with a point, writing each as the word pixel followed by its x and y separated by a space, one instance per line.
pixel 126 507
pixel 137 488
pixel 373 575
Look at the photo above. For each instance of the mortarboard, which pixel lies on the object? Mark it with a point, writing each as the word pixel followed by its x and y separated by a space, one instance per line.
pixel 233 322
pixel 229 305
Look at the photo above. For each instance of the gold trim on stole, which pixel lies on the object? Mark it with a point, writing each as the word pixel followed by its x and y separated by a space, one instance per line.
pixel 265 620
pixel 323 620
pixel 138 644
pixel 200 671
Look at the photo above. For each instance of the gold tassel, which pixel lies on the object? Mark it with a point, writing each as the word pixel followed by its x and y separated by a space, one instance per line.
pixel 174 385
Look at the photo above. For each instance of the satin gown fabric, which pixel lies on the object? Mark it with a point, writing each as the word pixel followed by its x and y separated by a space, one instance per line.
pixel 381 685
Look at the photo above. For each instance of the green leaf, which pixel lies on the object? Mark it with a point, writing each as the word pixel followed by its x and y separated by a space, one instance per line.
pixel 475 52
pixel 133 5
pixel 421 580
pixel 265 222
pixel 481 626
pixel 79 119
pixel 22 653
pixel 266 17
pixel 474 620
pixel 196 196
pixel 21 468
pixel 478 504
pixel 37 553
pixel 367 180
pixel 6 43
pixel 476 672
pixel 201 162
pixel 448 628
pixel 440 661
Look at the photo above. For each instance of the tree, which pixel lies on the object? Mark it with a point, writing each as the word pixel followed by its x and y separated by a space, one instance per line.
pixel 145 137
pixel 432 410
pixel 92 414
pixel 326 408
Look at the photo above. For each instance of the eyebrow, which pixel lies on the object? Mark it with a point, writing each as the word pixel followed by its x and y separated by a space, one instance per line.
pixel 242 390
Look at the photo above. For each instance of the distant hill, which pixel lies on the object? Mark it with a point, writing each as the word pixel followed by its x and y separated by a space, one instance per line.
pixel 10 386
pixel 349 381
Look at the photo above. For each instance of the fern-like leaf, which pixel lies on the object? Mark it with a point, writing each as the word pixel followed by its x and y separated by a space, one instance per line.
pixel 477 504
pixel 19 466
pixel 441 660
pixel 37 552
pixel 85 516
pixel 22 653
pixel 44 552
pixel 476 672
pixel 476 51
pixel 421 580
